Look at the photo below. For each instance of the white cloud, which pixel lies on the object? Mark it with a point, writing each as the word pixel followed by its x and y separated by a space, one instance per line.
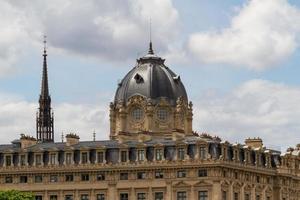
pixel 256 108
pixel 109 29
pixel 261 35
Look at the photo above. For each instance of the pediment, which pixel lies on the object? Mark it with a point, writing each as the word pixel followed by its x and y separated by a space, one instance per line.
pixel 181 184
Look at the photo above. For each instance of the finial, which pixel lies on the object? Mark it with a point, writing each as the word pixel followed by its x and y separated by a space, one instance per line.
pixel 62 136
pixel 150 51
pixel 45 45
pixel 94 135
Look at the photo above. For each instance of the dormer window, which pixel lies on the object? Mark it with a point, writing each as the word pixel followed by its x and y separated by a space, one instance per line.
pixel 84 158
pixel 137 114
pixel 158 154
pixel 8 161
pixel 202 152
pixel 162 114
pixel 52 159
pixel 38 159
pixel 181 153
pixel 138 78
pixel 22 160
pixel 100 157
pixel 68 158
pixel 141 155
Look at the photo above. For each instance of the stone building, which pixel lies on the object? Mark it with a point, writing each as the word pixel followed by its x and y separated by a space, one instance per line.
pixel 152 154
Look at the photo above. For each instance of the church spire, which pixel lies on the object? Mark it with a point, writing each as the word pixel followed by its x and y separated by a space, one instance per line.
pixel 44 121
pixel 150 50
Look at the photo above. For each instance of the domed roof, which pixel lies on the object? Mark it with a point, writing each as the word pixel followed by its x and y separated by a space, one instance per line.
pixel 152 79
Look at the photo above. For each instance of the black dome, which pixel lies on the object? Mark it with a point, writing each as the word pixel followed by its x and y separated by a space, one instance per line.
pixel 152 79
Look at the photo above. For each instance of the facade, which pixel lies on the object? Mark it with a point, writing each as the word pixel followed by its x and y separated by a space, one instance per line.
pixel 152 154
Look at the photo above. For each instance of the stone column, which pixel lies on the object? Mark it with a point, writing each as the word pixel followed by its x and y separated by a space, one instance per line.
pixel 168 195
pixel 216 190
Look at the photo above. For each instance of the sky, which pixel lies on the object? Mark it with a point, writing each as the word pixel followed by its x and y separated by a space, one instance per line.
pixel 238 60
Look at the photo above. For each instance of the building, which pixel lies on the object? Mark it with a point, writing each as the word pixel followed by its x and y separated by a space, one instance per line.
pixel 152 153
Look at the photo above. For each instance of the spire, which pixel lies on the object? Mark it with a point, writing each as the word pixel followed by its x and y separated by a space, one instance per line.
pixel 150 50
pixel 44 120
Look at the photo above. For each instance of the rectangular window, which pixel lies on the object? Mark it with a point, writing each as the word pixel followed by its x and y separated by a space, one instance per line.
pixel 100 157
pixel 100 176
pixel 84 157
pixel 69 197
pixel 202 172
pixel 141 175
pixel 85 177
pixel 100 197
pixel 123 156
pixel 236 196
pixel 181 196
pixel 202 152
pixel 181 174
pixel 181 153
pixel 84 197
pixel 23 179
pixel 38 197
pixel 141 196
pixel 159 196
pixel 202 195
pixel 38 159
pixel 158 154
pixel 8 179
pixel 8 160
pixel 257 197
pixel 53 197
pixel 123 176
pixel 124 196
pixel 22 160
pixel 141 155
pixel 247 196
pixel 159 174
pixel 38 178
pixel 52 159
pixel 68 158
pixel 69 178
pixel 53 178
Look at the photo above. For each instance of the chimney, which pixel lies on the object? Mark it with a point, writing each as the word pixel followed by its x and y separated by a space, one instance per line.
pixel 72 139
pixel 27 141
pixel 254 142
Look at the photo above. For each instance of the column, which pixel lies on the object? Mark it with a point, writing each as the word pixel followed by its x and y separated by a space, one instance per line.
pixel 168 195
pixel 216 190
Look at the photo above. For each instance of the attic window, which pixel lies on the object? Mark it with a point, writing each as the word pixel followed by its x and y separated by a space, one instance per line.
pixel 138 78
pixel 176 78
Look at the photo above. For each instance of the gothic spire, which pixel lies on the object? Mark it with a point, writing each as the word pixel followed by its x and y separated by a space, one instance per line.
pixel 44 121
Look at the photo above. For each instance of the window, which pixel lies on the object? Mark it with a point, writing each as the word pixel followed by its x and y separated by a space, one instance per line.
pixel 268 198
pixel 85 177
pixel 38 197
pixel 53 178
pixel 236 196
pixel 38 178
pixel 202 195
pixel 23 179
pixel 141 155
pixel 137 114
pixel 84 158
pixel 257 197
pixel 124 196
pixel 8 179
pixel 202 173
pixel 181 196
pixel 69 177
pixel 257 179
pixel 123 176
pixel 158 154
pixel 100 177
pixel 84 197
pixel 52 159
pixel 224 195
pixel 181 153
pixel 247 196
pixel 247 177
pixel 162 114
pixel 69 158
pixel 141 196
pixel 100 157
pixel 22 160
pixel 123 156
pixel 181 174
pixel 202 152
pixel 141 175
pixel 53 197
pixel 236 175
pixel 38 159
pixel 69 197
pixel 100 197
pixel 159 174
pixel 8 160
pixel 158 196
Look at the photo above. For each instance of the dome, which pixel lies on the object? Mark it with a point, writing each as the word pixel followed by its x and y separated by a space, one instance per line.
pixel 152 79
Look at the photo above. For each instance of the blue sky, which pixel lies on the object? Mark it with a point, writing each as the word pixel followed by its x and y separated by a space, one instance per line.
pixel 238 60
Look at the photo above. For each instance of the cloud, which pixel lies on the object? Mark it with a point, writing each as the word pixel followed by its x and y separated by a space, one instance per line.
pixel 108 29
pixel 261 35
pixel 18 116
pixel 255 108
